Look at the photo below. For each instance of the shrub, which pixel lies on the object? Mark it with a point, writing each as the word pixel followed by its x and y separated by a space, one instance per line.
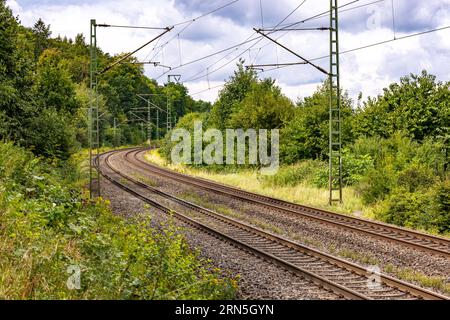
pixel 376 184
pixel 415 176
pixel 409 209
pixel 47 225
pixel 354 167
pixel 429 210
pixel 441 205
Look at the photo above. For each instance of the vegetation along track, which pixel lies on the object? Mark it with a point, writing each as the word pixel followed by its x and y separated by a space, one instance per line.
pixel 345 279
pixel 414 239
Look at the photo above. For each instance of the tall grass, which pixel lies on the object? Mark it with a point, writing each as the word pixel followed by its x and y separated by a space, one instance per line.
pixel 291 183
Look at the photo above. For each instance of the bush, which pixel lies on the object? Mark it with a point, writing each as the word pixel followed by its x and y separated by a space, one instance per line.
pixel 376 184
pixel 408 209
pixel 354 167
pixel 429 210
pixel 415 176
pixel 47 225
pixel 441 205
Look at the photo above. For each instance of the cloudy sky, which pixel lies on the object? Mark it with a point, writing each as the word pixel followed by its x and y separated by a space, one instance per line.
pixel 367 70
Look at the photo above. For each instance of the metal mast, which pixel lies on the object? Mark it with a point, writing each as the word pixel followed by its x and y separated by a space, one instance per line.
pixel 149 124
pixel 169 116
pixel 157 124
pixel 335 140
pixel 94 138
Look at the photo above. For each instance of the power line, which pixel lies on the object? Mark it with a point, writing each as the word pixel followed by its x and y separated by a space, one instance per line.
pixel 131 53
pixel 323 14
pixel 193 78
pixel 189 23
pixel 207 13
pixel 347 51
pixel 215 53
pixel 215 87
pixel 128 27
pixel 246 41
pixel 161 47
pixel 294 53
pixel 196 77
pixel 260 38
pixel 319 15
pixel 374 44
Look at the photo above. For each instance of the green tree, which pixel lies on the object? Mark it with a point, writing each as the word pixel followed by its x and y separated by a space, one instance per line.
pixel 264 107
pixel 54 87
pixel 41 33
pixel 15 76
pixel 418 105
pixel 51 134
pixel 306 135
pixel 234 91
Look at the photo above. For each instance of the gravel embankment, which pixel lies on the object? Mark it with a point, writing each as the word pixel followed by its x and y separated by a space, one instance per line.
pixel 258 279
pixel 357 247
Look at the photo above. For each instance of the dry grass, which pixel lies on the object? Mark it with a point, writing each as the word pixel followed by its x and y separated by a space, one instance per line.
pixel 144 179
pixel 249 180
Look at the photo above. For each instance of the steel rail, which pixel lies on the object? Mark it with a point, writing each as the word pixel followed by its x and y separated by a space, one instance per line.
pixel 391 284
pixel 414 239
pixel 317 280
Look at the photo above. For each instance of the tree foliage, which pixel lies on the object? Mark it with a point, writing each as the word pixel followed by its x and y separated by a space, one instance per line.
pixel 44 77
pixel 418 105
pixel 306 135
pixel 234 91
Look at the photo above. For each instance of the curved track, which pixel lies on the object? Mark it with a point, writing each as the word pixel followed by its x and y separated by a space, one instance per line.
pixel 414 239
pixel 345 279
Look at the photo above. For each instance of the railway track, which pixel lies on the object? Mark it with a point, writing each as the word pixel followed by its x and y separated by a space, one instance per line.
pixel 344 279
pixel 414 239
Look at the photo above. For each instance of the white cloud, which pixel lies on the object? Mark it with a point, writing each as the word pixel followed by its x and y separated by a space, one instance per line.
pixel 367 70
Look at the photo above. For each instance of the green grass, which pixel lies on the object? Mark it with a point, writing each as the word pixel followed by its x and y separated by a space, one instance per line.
pixel 410 275
pixel 195 198
pixel 358 257
pixel 150 182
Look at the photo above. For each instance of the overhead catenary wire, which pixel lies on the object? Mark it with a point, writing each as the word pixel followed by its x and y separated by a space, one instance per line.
pixel 207 13
pixel 325 14
pixel 316 16
pixel 258 38
pixel 189 22
pixel 346 51
pixel 275 27
pixel 205 90
pixel 133 52
pixel 319 15
pixel 322 15
pixel 294 53
pixel 104 25
pixel 161 47
pixel 375 44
